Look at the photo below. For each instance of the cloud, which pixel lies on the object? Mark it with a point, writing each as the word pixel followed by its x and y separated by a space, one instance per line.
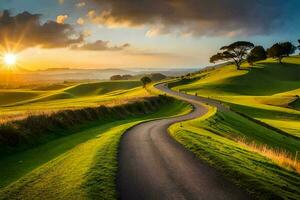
pixel 80 4
pixel 61 2
pixel 60 19
pixel 25 30
pixel 192 17
pixel 87 33
pixel 80 21
pixel 100 45
pixel 110 21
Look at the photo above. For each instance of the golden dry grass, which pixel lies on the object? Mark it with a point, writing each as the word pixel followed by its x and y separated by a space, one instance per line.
pixel 6 117
pixel 278 156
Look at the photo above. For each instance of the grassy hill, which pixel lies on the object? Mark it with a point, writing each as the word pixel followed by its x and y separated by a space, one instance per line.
pixel 268 91
pixel 256 145
pixel 17 102
pixel 263 79
pixel 101 88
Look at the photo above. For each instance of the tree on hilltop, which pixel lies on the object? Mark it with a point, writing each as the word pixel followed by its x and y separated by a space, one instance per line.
pixel 146 80
pixel 236 52
pixel 258 53
pixel 116 77
pixel 281 50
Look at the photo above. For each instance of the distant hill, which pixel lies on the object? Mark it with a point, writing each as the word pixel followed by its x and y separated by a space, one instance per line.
pixel 22 76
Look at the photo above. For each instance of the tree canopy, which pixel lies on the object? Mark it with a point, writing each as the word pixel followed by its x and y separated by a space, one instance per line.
pixel 236 52
pixel 281 50
pixel 116 77
pixel 256 54
pixel 121 77
pixel 145 80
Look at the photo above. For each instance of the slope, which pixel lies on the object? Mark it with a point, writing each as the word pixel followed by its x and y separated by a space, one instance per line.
pixel 263 91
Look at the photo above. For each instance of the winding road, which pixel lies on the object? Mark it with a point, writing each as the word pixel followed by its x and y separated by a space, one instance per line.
pixel 154 166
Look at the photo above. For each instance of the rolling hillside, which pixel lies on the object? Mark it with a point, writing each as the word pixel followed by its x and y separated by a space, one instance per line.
pixel 256 142
pixel 18 102
pixel 267 91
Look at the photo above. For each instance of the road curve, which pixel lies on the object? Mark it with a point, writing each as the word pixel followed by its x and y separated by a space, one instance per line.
pixel 153 166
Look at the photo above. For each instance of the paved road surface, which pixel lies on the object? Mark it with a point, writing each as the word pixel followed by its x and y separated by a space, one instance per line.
pixel 154 166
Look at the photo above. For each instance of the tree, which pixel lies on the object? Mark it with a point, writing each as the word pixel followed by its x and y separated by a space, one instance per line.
pixel 256 54
pixel 157 76
pixel 145 80
pixel 288 48
pixel 116 77
pixel 236 52
pixel 127 77
pixel 299 44
pixel 281 50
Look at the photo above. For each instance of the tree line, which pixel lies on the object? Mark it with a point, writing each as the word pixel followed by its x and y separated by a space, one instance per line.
pixel 241 51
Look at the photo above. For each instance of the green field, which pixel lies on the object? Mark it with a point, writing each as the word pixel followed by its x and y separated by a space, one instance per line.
pixel 268 91
pixel 16 103
pixel 82 164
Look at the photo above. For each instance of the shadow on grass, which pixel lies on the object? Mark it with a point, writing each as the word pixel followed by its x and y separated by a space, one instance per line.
pixel 262 79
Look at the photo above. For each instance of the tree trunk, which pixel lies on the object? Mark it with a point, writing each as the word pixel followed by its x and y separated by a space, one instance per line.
pixel 280 60
pixel 237 64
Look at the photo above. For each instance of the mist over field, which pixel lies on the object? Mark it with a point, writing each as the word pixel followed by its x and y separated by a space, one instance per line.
pixel 69 74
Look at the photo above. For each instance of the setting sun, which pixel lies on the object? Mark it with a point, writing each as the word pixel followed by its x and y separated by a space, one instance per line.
pixel 10 59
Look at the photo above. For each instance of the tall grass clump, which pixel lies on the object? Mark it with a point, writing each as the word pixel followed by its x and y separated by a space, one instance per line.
pixel 278 156
pixel 36 129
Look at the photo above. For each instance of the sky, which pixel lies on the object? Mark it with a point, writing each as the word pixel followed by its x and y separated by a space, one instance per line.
pixel 139 33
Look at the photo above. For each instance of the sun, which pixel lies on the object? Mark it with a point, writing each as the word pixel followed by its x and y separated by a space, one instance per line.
pixel 10 59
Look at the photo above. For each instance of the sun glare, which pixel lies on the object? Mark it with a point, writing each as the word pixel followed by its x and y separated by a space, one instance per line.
pixel 10 59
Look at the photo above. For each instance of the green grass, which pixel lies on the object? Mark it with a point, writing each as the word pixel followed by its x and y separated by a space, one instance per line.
pixel 82 165
pixel 231 125
pixel 264 92
pixel 284 119
pixel 211 140
pixel 264 79
pixel 13 96
pixel 295 104
pixel 18 102
pixel 99 88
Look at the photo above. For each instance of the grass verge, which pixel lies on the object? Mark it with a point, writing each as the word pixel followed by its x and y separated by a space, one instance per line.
pixel 213 139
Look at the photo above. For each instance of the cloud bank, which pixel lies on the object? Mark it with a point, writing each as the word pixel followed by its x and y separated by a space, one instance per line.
pixel 100 45
pixel 25 30
pixel 193 17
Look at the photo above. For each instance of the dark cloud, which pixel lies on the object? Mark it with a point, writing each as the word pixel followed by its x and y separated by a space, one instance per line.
pixel 197 17
pixel 100 45
pixel 25 30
